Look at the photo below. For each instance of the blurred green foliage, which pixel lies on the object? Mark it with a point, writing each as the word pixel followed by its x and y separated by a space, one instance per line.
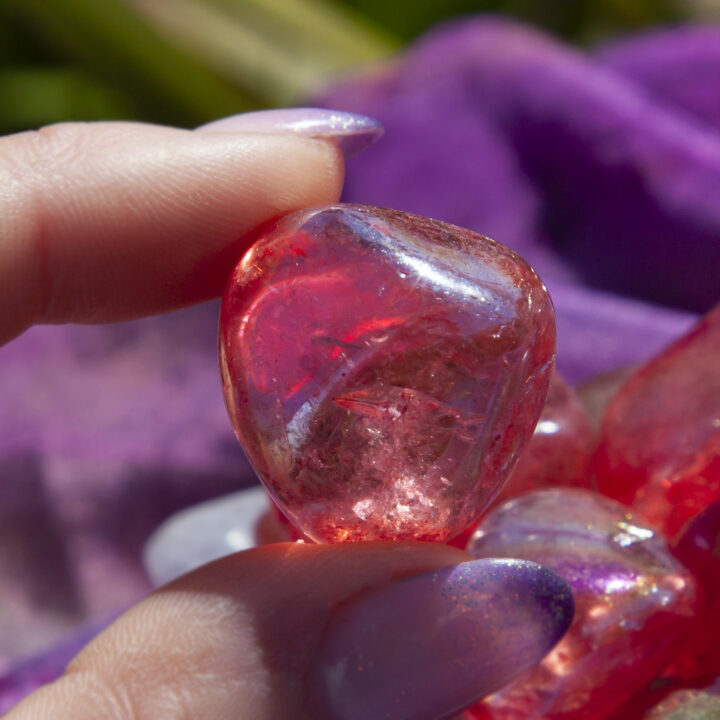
pixel 184 62
pixel 577 20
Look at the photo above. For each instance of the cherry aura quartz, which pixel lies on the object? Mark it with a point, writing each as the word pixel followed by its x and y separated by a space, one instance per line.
pixel 558 453
pixel 698 548
pixel 659 449
pixel 382 370
pixel 385 372
pixel 560 447
pixel 634 603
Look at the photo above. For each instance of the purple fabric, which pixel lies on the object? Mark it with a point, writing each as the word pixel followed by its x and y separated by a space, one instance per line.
pixel 105 432
pixel 31 674
pixel 678 68
pixel 603 169
pixel 615 188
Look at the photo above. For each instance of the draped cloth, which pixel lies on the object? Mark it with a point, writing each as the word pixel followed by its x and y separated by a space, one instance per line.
pixel 601 168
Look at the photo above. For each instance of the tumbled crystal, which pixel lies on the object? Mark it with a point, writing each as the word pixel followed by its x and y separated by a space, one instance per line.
pixel 558 452
pixel 383 370
pixel 698 548
pixel 559 449
pixel 660 442
pixel 597 391
pixel 633 602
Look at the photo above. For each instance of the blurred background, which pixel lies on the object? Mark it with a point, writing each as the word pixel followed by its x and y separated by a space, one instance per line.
pixel 591 147
pixel 184 62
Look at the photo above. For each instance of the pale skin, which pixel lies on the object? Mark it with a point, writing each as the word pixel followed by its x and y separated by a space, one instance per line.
pixel 110 221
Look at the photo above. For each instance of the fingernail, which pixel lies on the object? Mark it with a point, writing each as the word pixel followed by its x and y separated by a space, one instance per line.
pixel 429 646
pixel 203 533
pixel 352 133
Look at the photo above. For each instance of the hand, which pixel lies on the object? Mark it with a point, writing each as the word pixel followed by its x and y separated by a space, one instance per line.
pixel 112 221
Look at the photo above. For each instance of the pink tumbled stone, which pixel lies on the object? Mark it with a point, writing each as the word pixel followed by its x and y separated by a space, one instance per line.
pixel 634 603
pixel 558 453
pixel 597 392
pixel 383 370
pixel 698 548
pixel 660 441
pixel 559 450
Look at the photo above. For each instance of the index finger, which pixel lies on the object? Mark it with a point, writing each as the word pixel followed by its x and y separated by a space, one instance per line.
pixel 108 221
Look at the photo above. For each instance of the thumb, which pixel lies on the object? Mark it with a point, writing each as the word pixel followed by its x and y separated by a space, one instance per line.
pixel 349 632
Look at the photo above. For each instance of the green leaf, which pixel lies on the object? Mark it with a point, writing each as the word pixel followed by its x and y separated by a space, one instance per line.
pixel 579 20
pixel 279 50
pixel 108 39
pixel 704 9
pixel 33 97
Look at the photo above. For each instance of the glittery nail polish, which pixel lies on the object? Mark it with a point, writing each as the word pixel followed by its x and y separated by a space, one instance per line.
pixel 351 132
pixel 430 645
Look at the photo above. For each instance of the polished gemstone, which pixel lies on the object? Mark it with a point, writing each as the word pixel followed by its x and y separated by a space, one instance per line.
pixel 698 548
pixel 660 442
pixel 383 370
pixel 559 449
pixel 633 602
pixel 558 452
pixel 637 707
pixel 597 391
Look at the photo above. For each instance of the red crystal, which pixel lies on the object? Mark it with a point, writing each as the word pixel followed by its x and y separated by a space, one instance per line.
pixel 596 392
pixel 634 603
pixel 660 441
pixel 698 548
pixel 646 699
pixel 383 370
pixel 559 450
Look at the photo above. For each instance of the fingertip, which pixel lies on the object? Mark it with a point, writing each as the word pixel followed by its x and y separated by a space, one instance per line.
pixel 236 638
pixel 350 132
pixel 111 221
pixel 429 646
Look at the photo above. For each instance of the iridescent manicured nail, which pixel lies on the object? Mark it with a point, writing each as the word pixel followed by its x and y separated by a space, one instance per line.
pixel 426 647
pixel 352 132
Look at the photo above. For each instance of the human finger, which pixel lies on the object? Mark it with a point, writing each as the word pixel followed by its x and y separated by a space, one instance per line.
pixel 348 632
pixel 107 221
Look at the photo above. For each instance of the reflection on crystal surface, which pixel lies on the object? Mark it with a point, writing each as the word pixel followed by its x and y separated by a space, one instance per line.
pixel 558 452
pixel 560 447
pixel 660 442
pixel 698 548
pixel 634 602
pixel 383 370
